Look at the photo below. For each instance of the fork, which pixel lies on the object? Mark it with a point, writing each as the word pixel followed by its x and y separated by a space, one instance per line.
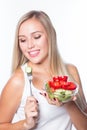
pixel 28 70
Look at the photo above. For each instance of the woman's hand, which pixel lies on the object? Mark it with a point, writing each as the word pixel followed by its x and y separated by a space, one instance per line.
pixel 31 112
pixel 55 101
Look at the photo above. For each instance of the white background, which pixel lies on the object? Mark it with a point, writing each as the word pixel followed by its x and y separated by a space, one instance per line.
pixel 69 18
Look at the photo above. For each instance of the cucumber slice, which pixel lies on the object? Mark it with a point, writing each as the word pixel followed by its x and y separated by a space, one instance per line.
pixel 62 94
pixel 28 69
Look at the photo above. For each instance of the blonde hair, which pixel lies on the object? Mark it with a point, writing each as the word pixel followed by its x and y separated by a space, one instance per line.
pixel 57 66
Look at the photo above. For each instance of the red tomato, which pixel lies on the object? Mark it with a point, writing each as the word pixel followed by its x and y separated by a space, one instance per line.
pixel 55 78
pixel 72 86
pixel 69 86
pixel 64 84
pixel 54 85
pixel 63 78
pixel 61 82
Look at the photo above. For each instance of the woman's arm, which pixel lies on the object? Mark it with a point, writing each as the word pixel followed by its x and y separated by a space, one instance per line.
pixel 75 74
pixel 77 115
pixel 78 118
pixel 9 102
pixel 15 126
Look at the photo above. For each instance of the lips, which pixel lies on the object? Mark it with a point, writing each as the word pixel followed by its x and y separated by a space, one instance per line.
pixel 34 53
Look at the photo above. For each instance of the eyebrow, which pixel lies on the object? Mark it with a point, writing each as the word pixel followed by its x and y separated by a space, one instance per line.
pixel 31 33
pixel 20 36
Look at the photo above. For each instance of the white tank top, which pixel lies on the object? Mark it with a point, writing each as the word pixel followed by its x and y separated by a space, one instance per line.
pixel 51 117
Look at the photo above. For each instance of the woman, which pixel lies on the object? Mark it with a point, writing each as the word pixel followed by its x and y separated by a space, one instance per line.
pixel 36 46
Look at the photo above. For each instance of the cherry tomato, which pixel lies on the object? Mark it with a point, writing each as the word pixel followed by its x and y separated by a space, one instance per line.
pixel 54 85
pixel 63 78
pixel 56 78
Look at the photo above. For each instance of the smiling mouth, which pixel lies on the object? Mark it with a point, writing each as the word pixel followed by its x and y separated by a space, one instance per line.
pixel 34 53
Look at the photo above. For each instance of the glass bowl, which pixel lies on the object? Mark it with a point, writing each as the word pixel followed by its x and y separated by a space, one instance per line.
pixel 63 94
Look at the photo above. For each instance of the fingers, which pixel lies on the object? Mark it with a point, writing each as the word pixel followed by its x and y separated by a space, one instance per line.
pixel 31 112
pixel 53 101
pixel 31 107
pixel 74 98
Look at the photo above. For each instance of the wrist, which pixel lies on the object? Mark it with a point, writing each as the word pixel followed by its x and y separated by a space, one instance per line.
pixel 26 126
pixel 29 124
pixel 69 104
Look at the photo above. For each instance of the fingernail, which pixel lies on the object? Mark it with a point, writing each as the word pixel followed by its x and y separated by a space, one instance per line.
pixel 74 98
pixel 41 93
pixel 37 101
pixel 44 94
pixel 54 99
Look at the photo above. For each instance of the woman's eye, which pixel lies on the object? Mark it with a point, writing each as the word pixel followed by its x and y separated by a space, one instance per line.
pixel 22 40
pixel 37 37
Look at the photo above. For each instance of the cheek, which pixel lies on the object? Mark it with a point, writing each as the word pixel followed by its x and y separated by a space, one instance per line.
pixel 22 48
pixel 45 49
pixel 45 44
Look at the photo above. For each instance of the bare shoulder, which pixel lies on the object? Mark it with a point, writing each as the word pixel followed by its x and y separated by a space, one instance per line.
pixel 17 78
pixel 11 96
pixel 73 70
pixel 15 83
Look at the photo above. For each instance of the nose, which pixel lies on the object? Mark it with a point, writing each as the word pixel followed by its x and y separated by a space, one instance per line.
pixel 30 43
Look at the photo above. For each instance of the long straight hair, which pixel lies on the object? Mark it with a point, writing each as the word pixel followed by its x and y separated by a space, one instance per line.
pixel 57 65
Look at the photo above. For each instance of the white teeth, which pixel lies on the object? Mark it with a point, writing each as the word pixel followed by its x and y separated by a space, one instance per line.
pixel 33 52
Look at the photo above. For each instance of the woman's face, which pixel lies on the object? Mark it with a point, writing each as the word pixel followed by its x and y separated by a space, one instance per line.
pixel 33 41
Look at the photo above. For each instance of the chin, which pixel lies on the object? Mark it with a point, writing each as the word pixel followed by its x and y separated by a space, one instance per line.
pixel 36 61
pixel 39 60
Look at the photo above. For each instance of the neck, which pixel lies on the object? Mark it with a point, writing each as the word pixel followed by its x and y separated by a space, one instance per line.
pixel 40 66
